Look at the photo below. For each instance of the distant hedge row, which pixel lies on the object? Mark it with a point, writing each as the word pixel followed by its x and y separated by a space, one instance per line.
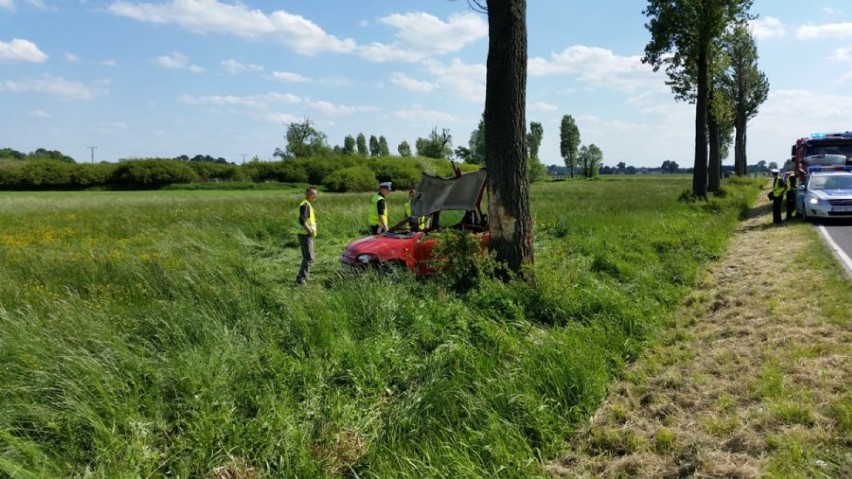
pixel 337 174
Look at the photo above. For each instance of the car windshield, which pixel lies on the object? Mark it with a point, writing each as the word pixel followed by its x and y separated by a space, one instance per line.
pixel 831 182
pixel 844 149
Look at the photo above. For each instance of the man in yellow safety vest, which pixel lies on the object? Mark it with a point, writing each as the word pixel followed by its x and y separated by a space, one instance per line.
pixel 779 187
pixel 378 218
pixel 414 224
pixel 306 231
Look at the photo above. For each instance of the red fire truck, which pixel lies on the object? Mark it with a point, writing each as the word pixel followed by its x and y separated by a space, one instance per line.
pixel 822 149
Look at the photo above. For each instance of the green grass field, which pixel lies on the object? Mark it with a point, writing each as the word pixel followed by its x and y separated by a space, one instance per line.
pixel 148 334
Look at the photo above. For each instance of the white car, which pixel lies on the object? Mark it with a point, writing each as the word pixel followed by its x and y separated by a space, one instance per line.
pixel 825 194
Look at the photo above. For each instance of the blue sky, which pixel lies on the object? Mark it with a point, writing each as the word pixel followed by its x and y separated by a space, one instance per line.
pixel 172 77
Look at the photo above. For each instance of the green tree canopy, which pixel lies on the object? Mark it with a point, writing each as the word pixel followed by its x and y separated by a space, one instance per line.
pixel 303 141
pixel 683 35
pixel 569 141
pixel 438 145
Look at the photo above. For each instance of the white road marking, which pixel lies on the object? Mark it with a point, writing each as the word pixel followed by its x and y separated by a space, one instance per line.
pixel 841 255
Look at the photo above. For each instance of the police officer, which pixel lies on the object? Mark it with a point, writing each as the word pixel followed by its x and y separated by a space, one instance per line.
pixel 378 218
pixel 779 187
pixel 306 231
pixel 792 183
pixel 414 224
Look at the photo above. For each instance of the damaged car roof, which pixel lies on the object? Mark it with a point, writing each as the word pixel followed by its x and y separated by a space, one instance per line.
pixel 439 194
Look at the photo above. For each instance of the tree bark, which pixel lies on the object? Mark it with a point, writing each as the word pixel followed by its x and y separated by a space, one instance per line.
pixel 699 175
pixel 740 146
pixel 510 221
pixel 714 174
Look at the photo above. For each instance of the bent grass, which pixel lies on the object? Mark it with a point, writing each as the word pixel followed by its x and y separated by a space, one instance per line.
pixel 159 333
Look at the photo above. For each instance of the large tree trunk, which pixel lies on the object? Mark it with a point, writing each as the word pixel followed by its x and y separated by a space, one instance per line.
pixel 740 145
pixel 699 175
pixel 714 177
pixel 505 136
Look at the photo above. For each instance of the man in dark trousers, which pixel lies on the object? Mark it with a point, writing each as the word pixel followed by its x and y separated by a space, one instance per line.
pixel 306 231
pixel 779 187
pixel 792 187
pixel 378 218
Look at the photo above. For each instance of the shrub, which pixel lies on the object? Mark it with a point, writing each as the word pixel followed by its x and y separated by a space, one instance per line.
pixel 84 176
pixel 356 178
pixel 209 171
pixel 46 173
pixel 152 173
pixel 403 172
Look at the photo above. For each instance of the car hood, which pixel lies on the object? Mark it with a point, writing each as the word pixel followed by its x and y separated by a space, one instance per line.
pixel 375 245
pixel 831 194
pixel 438 194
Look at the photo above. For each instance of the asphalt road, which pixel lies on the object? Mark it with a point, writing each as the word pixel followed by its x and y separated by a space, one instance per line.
pixel 839 239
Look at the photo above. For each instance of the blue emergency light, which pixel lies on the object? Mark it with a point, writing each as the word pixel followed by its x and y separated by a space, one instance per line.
pixel 822 136
pixel 812 169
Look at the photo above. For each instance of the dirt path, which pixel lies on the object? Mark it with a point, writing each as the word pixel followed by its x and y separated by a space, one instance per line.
pixel 753 380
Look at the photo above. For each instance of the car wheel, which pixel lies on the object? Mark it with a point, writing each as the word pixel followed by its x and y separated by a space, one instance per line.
pixel 805 216
pixel 393 270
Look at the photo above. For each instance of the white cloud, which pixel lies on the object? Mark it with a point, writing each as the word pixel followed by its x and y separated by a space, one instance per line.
pixel 71 58
pixel 847 78
pixel 177 61
pixel 831 12
pixel 38 114
pixel 465 80
pixel 108 63
pixel 39 4
pixel 421 35
pixel 828 30
pixel 766 28
pixel 404 81
pixel 8 4
pixel 290 77
pixel 841 54
pixel 233 67
pixel 21 50
pixel 210 16
pixel 54 86
pixel 428 117
pixel 595 65
pixel 330 109
pixel 542 107
pixel 255 102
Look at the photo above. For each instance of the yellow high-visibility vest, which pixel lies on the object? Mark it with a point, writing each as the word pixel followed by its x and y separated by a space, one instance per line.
pixel 373 219
pixel 311 221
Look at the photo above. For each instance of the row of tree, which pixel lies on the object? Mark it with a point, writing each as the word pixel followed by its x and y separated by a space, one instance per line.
pixel 342 174
pixel 710 58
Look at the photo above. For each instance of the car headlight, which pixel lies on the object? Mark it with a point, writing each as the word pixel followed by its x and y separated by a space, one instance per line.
pixel 813 200
pixel 364 258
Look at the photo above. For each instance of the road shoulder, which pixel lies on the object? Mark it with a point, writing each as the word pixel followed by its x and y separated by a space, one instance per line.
pixel 751 379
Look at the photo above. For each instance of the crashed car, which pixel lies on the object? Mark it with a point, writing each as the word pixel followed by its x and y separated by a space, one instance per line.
pixel 826 193
pixel 439 204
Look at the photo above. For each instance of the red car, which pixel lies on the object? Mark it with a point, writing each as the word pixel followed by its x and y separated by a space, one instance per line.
pixel 439 204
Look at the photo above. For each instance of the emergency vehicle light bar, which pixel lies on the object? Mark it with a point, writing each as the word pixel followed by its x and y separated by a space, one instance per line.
pixel 830 168
pixel 822 136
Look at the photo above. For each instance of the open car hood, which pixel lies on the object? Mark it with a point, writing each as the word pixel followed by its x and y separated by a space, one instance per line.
pixel 439 194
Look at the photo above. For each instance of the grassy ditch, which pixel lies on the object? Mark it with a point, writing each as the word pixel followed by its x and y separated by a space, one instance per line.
pixel 152 334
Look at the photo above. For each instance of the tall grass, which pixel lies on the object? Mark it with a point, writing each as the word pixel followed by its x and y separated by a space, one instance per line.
pixel 160 334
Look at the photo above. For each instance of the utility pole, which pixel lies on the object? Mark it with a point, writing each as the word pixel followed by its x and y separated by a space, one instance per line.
pixel 92 149
pixel 244 158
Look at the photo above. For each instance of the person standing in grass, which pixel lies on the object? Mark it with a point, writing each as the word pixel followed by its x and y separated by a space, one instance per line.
pixel 414 224
pixel 792 186
pixel 779 187
pixel 378 219
pixel 306 232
